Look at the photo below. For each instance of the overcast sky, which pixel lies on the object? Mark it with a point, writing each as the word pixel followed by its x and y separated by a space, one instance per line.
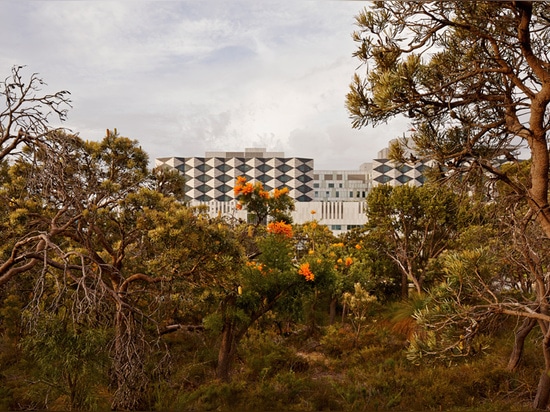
pixel 185 77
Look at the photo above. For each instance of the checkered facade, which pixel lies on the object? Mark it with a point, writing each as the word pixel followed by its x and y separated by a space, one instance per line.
pixel 385 171
pixel 213 177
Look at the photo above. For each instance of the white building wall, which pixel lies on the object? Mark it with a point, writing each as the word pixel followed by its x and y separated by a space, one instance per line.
pixel 338 216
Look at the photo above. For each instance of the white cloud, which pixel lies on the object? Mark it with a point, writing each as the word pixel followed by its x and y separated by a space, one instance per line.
pixel 184 77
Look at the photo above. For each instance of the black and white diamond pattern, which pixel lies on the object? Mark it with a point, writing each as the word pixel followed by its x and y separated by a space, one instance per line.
pixel 208 178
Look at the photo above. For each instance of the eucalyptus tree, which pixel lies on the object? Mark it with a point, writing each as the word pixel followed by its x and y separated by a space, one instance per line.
pixel 473 78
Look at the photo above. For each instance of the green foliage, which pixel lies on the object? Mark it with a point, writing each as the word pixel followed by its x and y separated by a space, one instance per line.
pixel 372 267
pixel 69 362
pixel 359 304
pixel 413 225
pixel 266 355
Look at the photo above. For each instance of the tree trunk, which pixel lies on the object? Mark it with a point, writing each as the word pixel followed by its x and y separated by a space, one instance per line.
pixel 128 363
pixel 232 333
pixel 404 286
pixel 344 313
pixel 311 318
pixel 332 310
pixel 543 390
pixel 519 341
pixel 226 352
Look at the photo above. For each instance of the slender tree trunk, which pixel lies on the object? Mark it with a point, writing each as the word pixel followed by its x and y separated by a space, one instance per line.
pixel 519 342
pixel 543 390
pixel 404 286
pixel 312 321
pixel 226 352
pixel 332 310
pixel 232 334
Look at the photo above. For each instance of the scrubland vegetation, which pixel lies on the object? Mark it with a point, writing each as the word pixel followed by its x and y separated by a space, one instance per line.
pixel 115 293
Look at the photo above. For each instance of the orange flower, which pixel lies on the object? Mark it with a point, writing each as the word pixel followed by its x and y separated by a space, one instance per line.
pixel 306 272
pixel 238 206
pixel 264 194
pixel 358 246
pixel 280 228
pixel 241 185
pixel 256 265
pixel 247 189
pixel 349 261
pixel 313 212
pixel 280 192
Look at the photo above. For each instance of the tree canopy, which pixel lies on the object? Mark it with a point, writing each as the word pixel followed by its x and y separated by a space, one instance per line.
pixel 473 79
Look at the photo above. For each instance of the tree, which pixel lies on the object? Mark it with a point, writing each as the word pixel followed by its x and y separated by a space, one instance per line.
pixel 474 79
pixel 69 359
pixel 315 246
pixel 80 229
pixel 259 288
pixel 24 123
pixel 95 232
pixel 24 120
pixel 261 204
pixel 268 275
pixel 372 267
pixel 412 225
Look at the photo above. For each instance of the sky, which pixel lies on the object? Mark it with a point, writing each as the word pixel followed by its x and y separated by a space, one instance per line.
pixel 186 77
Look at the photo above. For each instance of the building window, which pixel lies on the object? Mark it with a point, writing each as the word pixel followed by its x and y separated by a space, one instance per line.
pixel 316 185
pixel 336 227
pixel 337 194
pixel 340 185
pixel 331 185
